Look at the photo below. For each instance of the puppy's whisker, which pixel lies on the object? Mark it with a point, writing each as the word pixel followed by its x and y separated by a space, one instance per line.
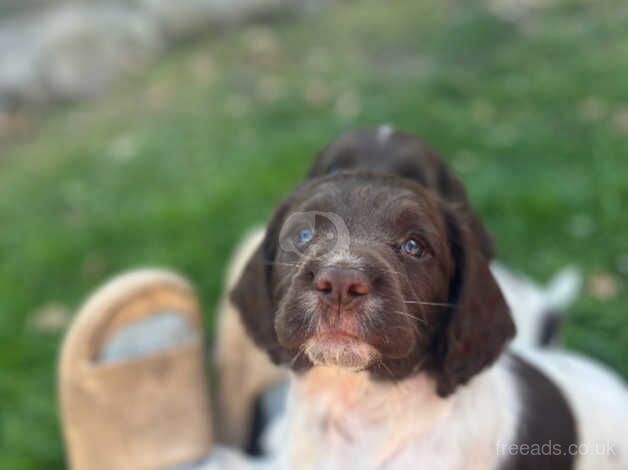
pixel 395 382
pixel 435 304
pixel 285 280
pixel 383 364
pixel 273 263
pixel 296 357
pixel 406 314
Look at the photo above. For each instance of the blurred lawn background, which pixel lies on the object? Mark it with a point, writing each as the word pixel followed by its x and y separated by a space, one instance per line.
pixel 172 168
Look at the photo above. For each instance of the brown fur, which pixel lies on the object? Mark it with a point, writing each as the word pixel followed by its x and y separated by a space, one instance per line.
pixel 399 153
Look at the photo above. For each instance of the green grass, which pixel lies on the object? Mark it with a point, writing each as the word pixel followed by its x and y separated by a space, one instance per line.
pixel 173 167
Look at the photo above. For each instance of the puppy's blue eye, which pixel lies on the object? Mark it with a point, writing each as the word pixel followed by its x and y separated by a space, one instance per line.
pixel 413 247
pixel 304 236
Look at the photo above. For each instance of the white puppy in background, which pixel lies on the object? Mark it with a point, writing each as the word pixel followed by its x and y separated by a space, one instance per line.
pixel 537 309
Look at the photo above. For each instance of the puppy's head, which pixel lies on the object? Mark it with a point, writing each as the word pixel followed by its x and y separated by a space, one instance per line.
pixel 373 272
pixel 387 150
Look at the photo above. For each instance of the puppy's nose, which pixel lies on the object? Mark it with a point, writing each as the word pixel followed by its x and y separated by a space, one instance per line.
pixel 341 286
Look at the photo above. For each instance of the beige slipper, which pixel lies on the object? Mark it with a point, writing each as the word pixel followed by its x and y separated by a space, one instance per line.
pixel 132 382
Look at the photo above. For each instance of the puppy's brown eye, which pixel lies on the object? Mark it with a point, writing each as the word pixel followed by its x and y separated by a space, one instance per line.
pixel 413 247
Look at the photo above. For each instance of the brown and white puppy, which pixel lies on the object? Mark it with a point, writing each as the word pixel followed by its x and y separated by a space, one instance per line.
pixel 393 333
pixel 244 371
pixel 376 292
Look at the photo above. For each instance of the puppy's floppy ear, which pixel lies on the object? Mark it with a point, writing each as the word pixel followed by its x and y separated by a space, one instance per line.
pixel 252 293
pixel 479 324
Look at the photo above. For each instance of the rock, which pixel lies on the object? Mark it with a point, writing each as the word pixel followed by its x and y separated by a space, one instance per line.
pixel 20 43
pixel 71 52
pixel 185 18
pixel 57 52
pixel 87 47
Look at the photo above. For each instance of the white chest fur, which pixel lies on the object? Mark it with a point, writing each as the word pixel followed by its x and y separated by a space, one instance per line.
pixel 340 420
